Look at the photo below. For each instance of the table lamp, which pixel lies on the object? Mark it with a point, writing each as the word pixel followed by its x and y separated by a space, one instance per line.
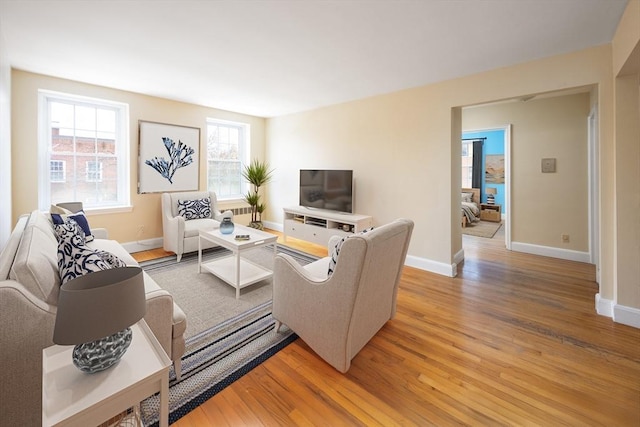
pixel 94 314
pixel 491 194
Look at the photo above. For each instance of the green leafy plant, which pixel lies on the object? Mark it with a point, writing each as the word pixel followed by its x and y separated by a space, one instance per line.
pixel 257 173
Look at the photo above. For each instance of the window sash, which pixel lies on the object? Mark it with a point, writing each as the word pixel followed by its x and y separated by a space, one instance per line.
pixel 87 131
pixel 227 152
pixel 467 164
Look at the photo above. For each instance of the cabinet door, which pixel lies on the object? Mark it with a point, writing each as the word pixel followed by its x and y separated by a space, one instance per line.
pixel 316 234
pixel 490 215
pixel 294 228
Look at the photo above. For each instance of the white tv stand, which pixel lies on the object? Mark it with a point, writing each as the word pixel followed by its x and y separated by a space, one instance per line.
pixel 317 225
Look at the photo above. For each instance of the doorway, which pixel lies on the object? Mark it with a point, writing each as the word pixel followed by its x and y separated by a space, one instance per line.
pixel 495 171
pixel 557 211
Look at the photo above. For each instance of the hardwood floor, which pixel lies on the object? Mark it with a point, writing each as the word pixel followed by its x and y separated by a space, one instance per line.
pixel 512 340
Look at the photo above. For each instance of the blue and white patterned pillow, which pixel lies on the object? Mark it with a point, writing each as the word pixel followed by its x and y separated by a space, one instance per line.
pixel 75 258
pixel 78 217
pixel 195 209
pixel 335 251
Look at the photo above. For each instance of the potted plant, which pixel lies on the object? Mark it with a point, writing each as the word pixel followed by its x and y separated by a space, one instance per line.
pixel 257 173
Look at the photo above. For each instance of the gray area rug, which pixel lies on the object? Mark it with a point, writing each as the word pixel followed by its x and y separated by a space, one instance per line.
pixel 217 356
pixel 482 229
pixel 205 299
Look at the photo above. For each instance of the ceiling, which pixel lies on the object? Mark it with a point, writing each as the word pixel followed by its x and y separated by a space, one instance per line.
pixel 274 57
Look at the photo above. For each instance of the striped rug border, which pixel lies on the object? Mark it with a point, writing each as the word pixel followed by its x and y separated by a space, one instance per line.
pixel 248 339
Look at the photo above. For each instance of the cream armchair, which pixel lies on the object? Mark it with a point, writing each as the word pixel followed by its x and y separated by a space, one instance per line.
pixel 180 235
pixel 337 315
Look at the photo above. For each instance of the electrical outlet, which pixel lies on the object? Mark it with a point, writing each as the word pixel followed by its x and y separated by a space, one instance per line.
pixel 548 165
pixel 565 238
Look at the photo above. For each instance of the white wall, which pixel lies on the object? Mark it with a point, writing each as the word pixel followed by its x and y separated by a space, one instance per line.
pixel 6 222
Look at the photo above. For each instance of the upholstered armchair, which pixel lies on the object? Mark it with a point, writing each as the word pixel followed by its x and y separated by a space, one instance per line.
pixel 337 314
pixel 180 231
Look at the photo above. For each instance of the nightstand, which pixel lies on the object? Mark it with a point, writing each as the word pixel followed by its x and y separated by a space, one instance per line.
pixel 71 397
pixel 490 212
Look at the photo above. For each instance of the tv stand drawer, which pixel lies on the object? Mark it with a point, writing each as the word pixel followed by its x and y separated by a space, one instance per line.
pixel 316 234
pixel 294 228
pixel 317 225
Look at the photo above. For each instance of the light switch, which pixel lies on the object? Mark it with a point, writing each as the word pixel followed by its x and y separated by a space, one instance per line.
pixel 548 165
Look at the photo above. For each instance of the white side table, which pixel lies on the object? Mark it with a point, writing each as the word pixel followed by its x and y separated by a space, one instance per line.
pixel 73 398
pixel 234 270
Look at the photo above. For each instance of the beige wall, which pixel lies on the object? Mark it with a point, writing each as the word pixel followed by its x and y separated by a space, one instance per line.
pixel 145 207
pixel 625 42
pixel 626 55
pixel 391 143
pixel 403 146
pixel 544 205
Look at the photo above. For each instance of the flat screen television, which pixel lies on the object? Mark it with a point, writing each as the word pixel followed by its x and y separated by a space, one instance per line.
pixel 327 189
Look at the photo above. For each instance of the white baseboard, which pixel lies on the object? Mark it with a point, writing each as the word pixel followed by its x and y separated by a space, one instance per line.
pixel 458 257
pixel 626 315
pixel 449 270
pixel 551 252
pixel 604 307
pixel 273 225
pixel 143 245
pixel 621 314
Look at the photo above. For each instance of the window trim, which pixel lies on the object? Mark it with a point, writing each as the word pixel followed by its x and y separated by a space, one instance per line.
pixel 123 144
pixel 469 169
pixel 243 154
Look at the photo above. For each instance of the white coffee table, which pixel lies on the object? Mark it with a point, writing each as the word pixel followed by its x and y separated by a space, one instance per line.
pixel 233 269
pixel 73 398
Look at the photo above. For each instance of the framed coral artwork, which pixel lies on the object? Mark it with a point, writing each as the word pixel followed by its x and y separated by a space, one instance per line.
pixel 168 157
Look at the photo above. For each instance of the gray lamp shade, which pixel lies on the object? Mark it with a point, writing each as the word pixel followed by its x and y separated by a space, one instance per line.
pixel 99 304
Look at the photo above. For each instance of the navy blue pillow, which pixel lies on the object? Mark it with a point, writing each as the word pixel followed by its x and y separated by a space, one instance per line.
pixel 78 217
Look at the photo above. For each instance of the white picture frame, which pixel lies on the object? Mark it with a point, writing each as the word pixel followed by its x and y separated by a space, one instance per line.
pixel 168 157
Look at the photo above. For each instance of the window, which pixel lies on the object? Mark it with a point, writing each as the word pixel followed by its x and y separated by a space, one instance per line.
pixel 57 171
pixel 83 150
pixel 94 171
pixel 227 151
pixel 467 164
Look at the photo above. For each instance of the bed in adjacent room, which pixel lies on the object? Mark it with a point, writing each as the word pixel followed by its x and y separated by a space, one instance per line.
pixel 470 204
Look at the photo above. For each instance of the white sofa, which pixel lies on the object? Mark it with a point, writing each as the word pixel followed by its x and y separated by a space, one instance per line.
pixel 29 285
pixel 180 235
